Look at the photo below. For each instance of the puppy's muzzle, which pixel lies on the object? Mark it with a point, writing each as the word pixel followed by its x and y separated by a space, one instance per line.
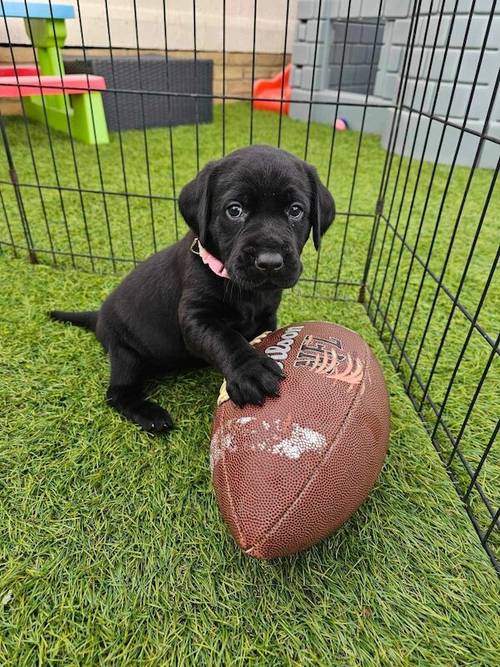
pixel 269 262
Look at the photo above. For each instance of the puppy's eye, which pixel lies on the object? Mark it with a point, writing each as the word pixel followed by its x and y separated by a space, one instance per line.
pixel 234 211
pixel 295 212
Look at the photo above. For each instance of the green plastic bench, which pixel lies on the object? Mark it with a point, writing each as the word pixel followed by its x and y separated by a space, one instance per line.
pixel 79 111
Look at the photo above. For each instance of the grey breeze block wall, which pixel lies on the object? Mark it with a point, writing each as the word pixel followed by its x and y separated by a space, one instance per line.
pixel 374 50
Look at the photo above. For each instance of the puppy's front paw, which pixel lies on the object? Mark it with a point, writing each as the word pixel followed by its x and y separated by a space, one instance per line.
pixel 257 378
pixel 152 417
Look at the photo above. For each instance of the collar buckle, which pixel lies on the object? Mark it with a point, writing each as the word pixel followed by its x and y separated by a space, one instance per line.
pixel 196 242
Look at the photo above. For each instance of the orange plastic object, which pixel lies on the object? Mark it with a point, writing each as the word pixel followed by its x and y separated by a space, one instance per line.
pixel 269 90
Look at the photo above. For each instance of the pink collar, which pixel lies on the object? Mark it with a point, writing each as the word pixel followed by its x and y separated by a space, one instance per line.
pixel 207 258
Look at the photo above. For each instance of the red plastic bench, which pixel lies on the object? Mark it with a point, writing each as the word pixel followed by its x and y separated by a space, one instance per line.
pixel 20 70
pixel 69 84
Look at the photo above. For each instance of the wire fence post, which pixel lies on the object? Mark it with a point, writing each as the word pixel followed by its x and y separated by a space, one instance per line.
pixel 30 246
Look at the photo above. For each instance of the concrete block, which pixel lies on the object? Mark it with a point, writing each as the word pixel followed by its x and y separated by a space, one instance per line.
pixel 339 31
pixel 424 137
pixel 307 78
pixel 362 76
pixel 300 31
pixel 487 71
pixel 481 99
pixel 371 55
pixel 388 32
pixel 312 30
pixel 300 53
pixel 358 54
pixel 348 75
pixel 478 98
pixel 423 31
pixel 356 6
pixel 368 34
pixel 296 77
pixel 468 68
pixel 382 61
pixel 378 88
pixel 335 76
pixel 348 53
pixel 303 53
pixel 299 104
pixel 480 6
pixel 330 9
pixel 370 9
pixel 336 51
pixel 321 52
pixel 419 95
pixel 446 105
pixel 354 33
pixel 307 9
pixel 476 34
pixel 390 86
pixel 395 58
pixel 384 53
pixel 495 112
pixel 444 64
pixel 397 8
pixel 419 62
pixel 493 41
pixel 343 9
pixel 354 10
pixel 430 6
pixel 490 151
pixel 431 30
pixel 401 31
pixel 361 54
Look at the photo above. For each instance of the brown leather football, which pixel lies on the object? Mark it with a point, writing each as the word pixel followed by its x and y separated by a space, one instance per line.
pixel 290 472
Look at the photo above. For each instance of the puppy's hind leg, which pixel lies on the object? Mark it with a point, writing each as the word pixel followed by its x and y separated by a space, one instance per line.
pixel 126 393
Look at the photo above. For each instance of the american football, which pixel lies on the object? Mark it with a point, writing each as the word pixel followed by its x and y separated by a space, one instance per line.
pixel 290 472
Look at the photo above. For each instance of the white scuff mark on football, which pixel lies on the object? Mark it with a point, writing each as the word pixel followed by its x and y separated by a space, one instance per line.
pixel 221 441
pixel 279 437
pixel 300 440
pixel 245 420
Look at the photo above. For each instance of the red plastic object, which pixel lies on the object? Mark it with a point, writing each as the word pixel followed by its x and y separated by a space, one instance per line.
pixel 20 70
pixel 69 84
pixel 270 92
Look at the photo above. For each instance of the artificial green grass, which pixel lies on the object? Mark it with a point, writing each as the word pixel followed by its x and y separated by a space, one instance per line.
pixel 126 227
pixel 112 547
pixel 114 552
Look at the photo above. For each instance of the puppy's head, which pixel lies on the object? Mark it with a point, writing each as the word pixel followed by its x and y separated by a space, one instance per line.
pixel 254 210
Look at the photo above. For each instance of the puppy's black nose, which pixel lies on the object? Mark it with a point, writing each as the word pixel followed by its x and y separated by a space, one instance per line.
pixel 269 261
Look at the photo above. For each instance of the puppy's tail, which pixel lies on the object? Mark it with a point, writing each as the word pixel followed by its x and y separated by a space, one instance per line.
pixel 86 319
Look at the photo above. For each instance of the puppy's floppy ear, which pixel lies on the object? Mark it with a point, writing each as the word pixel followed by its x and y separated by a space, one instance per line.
pixel 322 206
pixel 195 200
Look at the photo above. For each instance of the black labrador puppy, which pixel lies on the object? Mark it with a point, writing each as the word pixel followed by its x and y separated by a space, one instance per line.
pixel 204 298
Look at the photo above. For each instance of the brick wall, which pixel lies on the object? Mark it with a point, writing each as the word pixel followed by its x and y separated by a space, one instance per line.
pixel 238 67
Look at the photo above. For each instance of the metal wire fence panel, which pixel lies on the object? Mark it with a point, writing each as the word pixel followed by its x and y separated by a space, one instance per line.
pixel 414 176
pixel 431 273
